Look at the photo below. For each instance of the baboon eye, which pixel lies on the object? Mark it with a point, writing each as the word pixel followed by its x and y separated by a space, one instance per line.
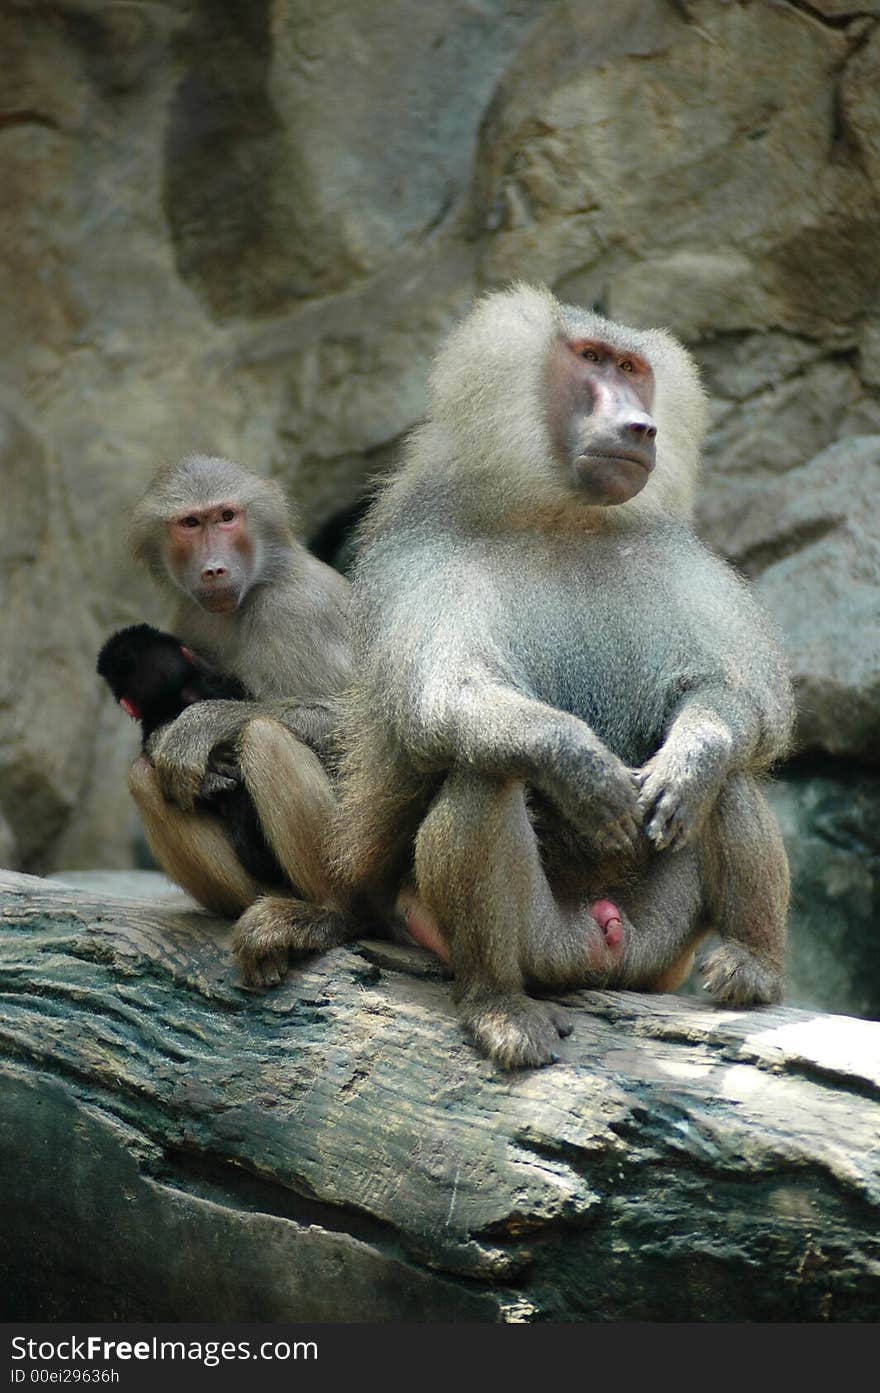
pixel 590 354
pixel 227 515
pixel 626 365
pixel 191 521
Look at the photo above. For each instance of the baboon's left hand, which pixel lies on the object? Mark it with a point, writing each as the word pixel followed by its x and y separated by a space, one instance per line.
pixel 676 792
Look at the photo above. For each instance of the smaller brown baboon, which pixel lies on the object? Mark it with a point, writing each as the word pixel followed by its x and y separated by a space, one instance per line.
pixel 258 607
pixel 562 698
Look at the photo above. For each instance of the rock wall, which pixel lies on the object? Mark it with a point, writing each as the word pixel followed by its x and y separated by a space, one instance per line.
pixel 245 228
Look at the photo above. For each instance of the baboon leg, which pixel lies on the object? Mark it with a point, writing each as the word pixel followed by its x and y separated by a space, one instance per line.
pixel 294 801
pixel 478 872
pixel 295 804
pixel 192 848
pixel 274 927
pixel 677 973
pixel 746 879
pixel 665 907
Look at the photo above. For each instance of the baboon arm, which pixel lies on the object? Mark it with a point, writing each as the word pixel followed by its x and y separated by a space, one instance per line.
pixel 481 723
pixel 180 752
pixel 716 731
pixel 726 730
pixel 313 723
pixel 484 723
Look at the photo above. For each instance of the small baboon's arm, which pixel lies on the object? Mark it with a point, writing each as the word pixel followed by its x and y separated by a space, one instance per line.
pixel 181 752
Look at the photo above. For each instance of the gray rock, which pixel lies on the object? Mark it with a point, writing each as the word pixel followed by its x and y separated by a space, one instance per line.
pixel 8 849
pixel 813 546
pixel 127 885
pixel 830 819
pixel 206 248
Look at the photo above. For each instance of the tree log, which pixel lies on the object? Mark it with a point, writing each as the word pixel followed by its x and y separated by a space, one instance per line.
pixel 173 1146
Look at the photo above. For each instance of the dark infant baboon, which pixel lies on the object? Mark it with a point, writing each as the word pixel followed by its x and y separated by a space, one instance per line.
pixel 560 692
pixel 260 608
pixel 153 677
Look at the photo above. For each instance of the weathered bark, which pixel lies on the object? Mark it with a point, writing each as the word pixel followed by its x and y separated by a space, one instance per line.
pixel 174 1147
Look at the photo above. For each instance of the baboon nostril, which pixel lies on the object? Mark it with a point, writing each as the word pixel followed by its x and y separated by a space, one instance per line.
pixel 646 430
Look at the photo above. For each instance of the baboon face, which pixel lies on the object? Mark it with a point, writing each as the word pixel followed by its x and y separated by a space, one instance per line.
pixel 211 554
pixel 212 531
pixel 599 400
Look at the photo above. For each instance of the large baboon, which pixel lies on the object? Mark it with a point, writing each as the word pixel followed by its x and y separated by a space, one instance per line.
pixel 560 692
pixel 258 606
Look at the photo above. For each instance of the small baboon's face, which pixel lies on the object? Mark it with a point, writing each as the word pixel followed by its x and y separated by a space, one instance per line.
pixel 210 554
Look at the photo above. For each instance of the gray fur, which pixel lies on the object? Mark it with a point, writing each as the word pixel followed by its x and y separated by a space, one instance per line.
pixel 288 641
pixel 599 661
pixel 290 634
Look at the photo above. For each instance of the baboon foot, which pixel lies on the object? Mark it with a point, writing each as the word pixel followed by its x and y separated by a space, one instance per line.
pixel 736 977
pixel 515 1031
pixel 261 942
pixel 273 927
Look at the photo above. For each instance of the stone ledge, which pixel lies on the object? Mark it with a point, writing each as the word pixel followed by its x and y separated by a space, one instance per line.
pixel 175 1147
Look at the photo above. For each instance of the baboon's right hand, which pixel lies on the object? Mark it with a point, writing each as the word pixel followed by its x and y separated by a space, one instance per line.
pixel 605 805
pixel 180 757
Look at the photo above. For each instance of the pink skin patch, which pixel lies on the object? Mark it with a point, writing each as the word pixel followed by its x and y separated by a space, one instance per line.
pixel 129 708
pixel 607 916
pixel 423 930
pixel 421 925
